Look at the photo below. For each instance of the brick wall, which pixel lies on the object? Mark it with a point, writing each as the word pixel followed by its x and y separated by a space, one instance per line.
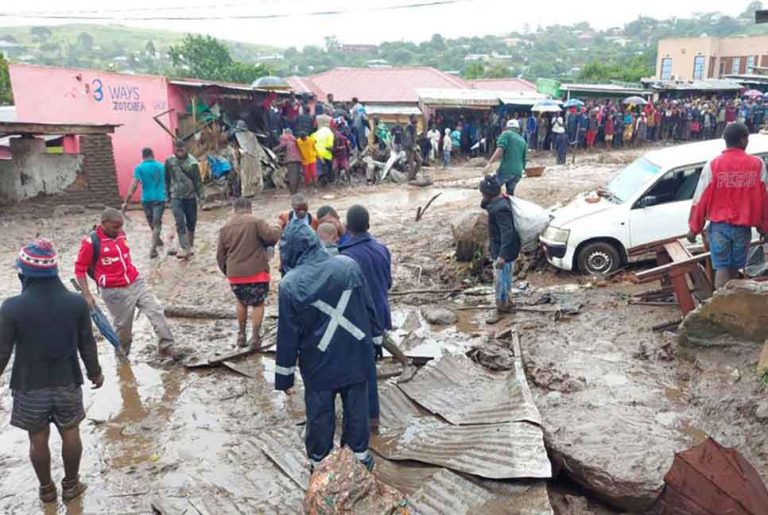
pixel 99 169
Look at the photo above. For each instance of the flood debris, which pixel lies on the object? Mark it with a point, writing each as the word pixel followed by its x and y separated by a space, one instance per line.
pixel 491 433
pixel 712 479
pixel 341 484
pixel 470 234
pixel 739 309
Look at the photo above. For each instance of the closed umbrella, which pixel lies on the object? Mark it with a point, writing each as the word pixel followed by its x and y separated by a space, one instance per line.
pixel 547 106
pixel 101 322
pixel 752 93
pixel 638 101
pixel 271 82
pixel 574 102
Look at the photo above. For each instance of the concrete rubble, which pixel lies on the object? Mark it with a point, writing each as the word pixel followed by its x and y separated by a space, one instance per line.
pixel 439 316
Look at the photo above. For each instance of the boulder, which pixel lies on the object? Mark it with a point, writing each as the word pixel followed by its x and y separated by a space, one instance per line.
pixel 440 316
pixel 740 309
pixel 340 484
pixel 470 232
pixel 762 365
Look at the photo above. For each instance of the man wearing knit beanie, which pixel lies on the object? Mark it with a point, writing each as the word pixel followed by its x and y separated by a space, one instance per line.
pixel 48 326
pixel 504 242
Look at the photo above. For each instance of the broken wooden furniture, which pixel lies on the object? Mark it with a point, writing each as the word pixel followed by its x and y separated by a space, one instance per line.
pixel 688 275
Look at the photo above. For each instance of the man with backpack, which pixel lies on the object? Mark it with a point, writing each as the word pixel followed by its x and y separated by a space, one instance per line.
pixel 185 187
pixel 504 242
pixel 105 257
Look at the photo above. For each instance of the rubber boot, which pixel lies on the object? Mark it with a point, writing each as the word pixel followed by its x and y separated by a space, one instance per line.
pixel 185 250
pixel 155 242
pixel 48 493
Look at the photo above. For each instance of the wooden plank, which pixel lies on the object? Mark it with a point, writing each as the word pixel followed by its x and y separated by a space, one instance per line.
pixel 682 293
pixel 656 273
pixel 677 251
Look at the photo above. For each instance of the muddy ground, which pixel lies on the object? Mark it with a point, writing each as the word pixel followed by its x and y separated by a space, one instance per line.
pixel 617 399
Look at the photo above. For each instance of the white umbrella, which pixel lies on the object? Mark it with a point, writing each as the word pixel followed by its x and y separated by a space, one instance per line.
pixel 547 106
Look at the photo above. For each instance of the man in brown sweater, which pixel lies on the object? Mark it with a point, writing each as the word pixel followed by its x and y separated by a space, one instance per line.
pixel 242 257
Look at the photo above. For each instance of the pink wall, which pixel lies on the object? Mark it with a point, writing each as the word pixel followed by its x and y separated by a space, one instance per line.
pixel 62 95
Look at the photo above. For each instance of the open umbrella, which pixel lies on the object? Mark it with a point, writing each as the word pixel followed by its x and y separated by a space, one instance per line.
pixel 270 82
pixel 574 102
pixel 102 322
pixel 547 106
pixel 752 93
pixel 710 479
pixel 638 101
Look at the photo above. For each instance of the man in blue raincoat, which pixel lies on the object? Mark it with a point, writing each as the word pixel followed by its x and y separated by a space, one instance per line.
pixel 375 261
pixel 327 322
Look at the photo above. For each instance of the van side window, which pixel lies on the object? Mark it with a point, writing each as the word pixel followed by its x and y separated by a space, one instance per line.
pixel 676 186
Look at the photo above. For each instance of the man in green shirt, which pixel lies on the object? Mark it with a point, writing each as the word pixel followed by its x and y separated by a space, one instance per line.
pixel 183 182
pixel 512 150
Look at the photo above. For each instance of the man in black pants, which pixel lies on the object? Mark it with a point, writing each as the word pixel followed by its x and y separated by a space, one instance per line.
pixel 48 325
pixel 185 188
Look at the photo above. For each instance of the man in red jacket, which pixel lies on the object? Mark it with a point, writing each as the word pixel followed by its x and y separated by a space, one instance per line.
pixel 118 281
pixel 732 195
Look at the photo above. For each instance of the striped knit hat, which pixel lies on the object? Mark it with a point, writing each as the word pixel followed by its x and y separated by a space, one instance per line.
pixel 38 259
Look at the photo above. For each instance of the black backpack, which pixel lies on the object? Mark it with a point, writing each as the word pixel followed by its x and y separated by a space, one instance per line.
pixel 96 244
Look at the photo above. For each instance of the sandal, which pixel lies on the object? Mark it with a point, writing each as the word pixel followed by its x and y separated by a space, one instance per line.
pixel 72 489
pixel 48 493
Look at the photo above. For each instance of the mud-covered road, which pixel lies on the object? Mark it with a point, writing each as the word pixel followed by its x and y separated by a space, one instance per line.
pixel 158 431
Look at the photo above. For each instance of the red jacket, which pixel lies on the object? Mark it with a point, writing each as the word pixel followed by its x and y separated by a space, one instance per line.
pixel 114 268
pixel 733 189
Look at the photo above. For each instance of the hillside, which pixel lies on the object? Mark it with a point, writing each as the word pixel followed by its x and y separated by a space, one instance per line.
pixel 113 47
pixel 574 52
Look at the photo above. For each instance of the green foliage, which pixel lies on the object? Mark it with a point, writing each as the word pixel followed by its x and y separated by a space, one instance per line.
pixel 205 57
pixel 631 70
pixel 6 97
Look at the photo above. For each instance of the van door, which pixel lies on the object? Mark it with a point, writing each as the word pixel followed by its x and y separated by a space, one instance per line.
pixel 662 212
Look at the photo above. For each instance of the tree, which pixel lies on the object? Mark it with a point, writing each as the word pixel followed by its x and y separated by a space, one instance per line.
pixel 150 49
pixel 474 71
pixel 749 12
pixel 42 34
pixel 6 97
pixel 85 41
pixel 205 57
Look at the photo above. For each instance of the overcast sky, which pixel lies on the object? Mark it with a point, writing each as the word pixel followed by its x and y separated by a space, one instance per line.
pixel 360 24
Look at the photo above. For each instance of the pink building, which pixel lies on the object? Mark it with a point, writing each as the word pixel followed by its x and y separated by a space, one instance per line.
pixel 62 95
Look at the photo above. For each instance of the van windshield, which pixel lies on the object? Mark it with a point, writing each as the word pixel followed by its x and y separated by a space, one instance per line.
pixel 631 179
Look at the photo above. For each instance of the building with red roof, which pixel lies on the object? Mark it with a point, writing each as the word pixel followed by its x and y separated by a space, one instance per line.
pixel 503 84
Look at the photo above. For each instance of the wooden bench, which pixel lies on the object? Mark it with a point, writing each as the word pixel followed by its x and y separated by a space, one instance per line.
pixel 689 275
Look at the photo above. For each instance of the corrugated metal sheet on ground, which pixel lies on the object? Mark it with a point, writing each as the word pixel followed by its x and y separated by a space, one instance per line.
pixel 508 450
pixel 448 492
pixel 463 392
pixel 285 447
pixel 396 410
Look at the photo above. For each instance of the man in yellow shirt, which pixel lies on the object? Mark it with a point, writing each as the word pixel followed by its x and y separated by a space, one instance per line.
pixel 308 150
pixel 324 144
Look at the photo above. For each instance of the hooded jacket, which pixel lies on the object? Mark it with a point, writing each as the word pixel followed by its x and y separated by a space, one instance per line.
pixel 503 236
pixel 326 316
pixel 376 264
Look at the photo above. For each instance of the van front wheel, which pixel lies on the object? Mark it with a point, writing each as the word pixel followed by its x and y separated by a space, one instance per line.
pixel 599 258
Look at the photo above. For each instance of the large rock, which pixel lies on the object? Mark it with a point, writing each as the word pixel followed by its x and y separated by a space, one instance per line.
pixel 740 309
pixel 470 232
pixel 440 316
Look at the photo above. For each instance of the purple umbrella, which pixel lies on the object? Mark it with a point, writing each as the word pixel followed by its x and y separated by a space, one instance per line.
pixel 752 93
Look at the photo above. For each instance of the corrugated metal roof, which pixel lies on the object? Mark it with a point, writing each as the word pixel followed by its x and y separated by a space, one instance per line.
pixel 8 114
pixel 380 85
pixel 284 446
pixel 447 492
pixel 693 85
pixel 508 85
pixel 458 97
pixel 302 85
pixel 380 109
pixel 463 392
pixel 605 88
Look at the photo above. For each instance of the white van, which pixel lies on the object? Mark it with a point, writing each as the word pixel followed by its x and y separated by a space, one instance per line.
pixel 647 201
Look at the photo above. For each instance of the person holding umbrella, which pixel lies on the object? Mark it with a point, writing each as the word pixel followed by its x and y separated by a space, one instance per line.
pixel 104 255
pixel 48 326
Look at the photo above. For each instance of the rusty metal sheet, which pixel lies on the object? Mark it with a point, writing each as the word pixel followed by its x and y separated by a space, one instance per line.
pixel 395 408
pixel 463 392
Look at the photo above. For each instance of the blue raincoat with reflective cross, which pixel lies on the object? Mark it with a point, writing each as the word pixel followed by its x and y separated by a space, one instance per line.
pixel 327 320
